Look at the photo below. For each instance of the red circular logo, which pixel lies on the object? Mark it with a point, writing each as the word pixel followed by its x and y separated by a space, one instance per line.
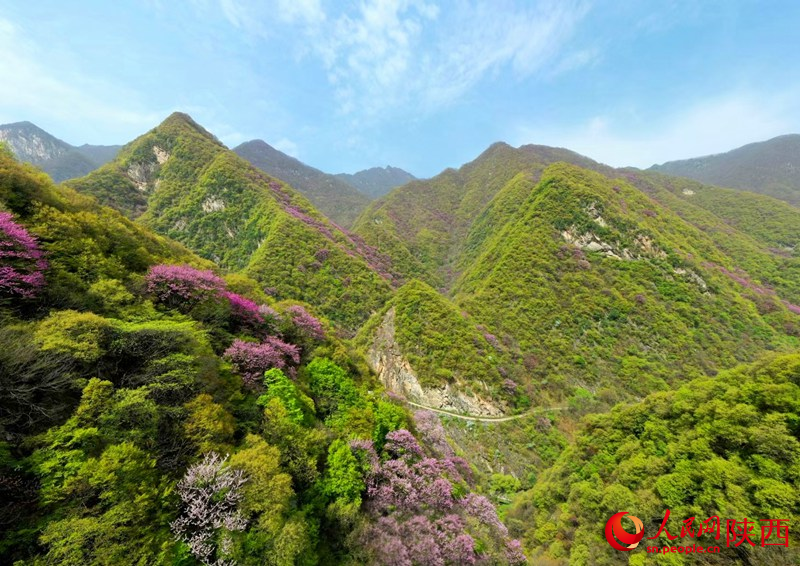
pixel 614 529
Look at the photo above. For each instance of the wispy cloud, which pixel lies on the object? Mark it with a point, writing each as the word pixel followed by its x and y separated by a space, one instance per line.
pixel 712 125
pixel 30 87
pixel 414 55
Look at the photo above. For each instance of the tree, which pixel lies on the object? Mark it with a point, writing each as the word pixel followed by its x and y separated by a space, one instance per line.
pixel 280 387
pixel 22 263
pixel 252 359
pixel 330 385
pixel 211 493
pixel 343 478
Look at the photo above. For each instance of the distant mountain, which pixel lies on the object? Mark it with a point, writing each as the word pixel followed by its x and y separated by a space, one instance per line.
pixel 377 181
pixel 337 199
pixel 771 167
pixel 181 182
pixel 55 157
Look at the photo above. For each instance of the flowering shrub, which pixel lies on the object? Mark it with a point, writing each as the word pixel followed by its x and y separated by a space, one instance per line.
pixel 418 517
pixel 305 323
pixel 21 260
pixel 244 311
pixel 177 285
pixel 432 433
pixel 252 359
pixel 211 493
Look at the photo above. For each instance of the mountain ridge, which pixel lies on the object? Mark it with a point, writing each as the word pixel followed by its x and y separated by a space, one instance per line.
pixel 59 159
pixel 770 167
pixel 337 199
pixel 377 181
pixel 180 181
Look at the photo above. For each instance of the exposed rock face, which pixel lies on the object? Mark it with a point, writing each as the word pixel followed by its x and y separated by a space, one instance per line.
pixel 141 174
pixel 34 148
pixel 385 357
pixel 161 155
pixel 213 204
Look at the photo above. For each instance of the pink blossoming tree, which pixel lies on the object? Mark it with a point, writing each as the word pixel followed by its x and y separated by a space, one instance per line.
pixel 21 261
pixel 252 359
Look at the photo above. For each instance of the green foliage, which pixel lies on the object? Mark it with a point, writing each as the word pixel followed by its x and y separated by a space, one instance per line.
pixel 268 492
pixel 343 478
pixel 725 446
pixel 83 336
pixel 330 385
pixel 209 426
pixel 440 343
pixel 298 406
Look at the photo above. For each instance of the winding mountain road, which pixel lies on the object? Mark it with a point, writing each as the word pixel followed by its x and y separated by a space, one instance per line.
pixel 486 419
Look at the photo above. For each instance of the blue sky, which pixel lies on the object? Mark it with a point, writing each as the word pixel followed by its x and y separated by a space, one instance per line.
pixel 421 85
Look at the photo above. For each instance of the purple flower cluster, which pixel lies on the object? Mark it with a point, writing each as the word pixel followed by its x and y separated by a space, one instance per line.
pixel 176 284
pixel 491 339
pixel 310 221
pixel 21 260
pixel 245 311
pixel 432 433
pixel 211 493
pixel 417 518
pixel 252 359
pixel 420 540
pixel 305 323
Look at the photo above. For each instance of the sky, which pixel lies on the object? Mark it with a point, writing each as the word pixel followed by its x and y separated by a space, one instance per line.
pixel 418 84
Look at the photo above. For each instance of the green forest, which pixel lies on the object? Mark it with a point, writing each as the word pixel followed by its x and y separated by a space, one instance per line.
pixel 198 367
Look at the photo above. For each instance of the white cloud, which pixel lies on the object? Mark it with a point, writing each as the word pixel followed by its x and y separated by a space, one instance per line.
pixel 415 55
pixel 391 54
pixel 30 89
pixel 712 125
pixel 259 17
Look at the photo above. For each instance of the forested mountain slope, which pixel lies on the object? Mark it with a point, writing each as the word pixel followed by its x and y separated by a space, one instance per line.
pixel 338 199
pixel 153 411
pixel 55 157
pixel 180 181
pixel 770 167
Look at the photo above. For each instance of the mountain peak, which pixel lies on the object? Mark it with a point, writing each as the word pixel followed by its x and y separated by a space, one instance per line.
pixel 377 181
pixel 179 122
pixel 337 199
pixel 60 160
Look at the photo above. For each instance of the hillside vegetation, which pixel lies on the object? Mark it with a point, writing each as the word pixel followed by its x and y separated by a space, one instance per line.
pixel 181 182
pixel 725 446
pixel 153 411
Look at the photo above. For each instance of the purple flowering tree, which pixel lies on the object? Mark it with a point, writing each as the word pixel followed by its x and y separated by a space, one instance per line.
pixel 432 433
pixel 306 324
pixel 416 516
pixel 182 286
pixel 252 359
pixel 244 311
pixel 210 492
pixel 21 261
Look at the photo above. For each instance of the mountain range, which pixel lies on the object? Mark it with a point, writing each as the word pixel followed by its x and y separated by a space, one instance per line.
pixel 569 322
pixel 340 197
pixel 770 167
pixel 57 158
pixel 377 181
pixel 336 198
